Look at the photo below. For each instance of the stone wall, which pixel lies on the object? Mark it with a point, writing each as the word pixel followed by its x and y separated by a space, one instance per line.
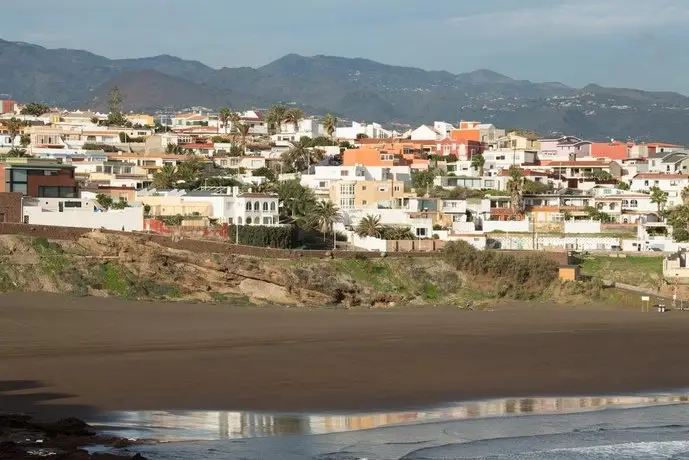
pixel 11 207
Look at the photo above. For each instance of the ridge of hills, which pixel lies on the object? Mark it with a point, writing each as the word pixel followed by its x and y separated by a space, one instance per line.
pixel 351 88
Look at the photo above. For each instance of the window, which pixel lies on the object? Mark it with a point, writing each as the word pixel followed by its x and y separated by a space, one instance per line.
pixel 265 205
pixel 646 183
pixel 272 206
pixel 387 156
pixel 248 205
pixel 396 188
pixel 267 221
pixel 344 173
pixel 382 188
pixel 633 204
pixel 23 188
pixel 72 204
pixel 248 220
pixel 420 231
pixel 239 221
pixel 322 184
pixel 257 206
pixel 363 187
pixel 347 189
pixel 364 202
pixel 346 203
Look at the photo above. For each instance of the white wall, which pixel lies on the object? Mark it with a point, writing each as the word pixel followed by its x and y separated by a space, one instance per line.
pixel 516 226
pixel 582 226
pixel 132 219
pixel 366 242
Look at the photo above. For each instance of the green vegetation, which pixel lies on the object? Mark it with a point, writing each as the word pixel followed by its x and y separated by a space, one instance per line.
pixel 104 147
pixel 35 109
pixel 638 271
pixel 504 275
pixel 263 236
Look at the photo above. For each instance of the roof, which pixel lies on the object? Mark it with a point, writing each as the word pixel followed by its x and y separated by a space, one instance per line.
pixel 197 146
pixel 257 195
pixel 525 172
pixel 675 157
pixel 583 164
pixel 660 176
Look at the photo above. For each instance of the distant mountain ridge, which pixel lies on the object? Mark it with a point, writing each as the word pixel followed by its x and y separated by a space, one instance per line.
pixel 359 89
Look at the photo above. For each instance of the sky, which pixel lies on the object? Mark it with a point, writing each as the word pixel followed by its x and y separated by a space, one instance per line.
pixel 624 43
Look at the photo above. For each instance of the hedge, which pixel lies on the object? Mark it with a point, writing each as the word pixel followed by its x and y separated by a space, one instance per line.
pixel 263 236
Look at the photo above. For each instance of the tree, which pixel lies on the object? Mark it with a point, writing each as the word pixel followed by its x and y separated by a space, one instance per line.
pixel 623 186
pixel 14 127
pixel 515 187
pixel 224 117
pixel 478 162
pixel 325 214
pixel 658 197
pixel 300 157
pixel 268 173
pixel 14 152
pixel 422 180
pixel 104 200
pixel 188 170
pixel 533 187
pixel 369 226
pixel 684 194
pixel 596 214
pixel 297 201
pixel 294 116
pixel 361 136
pixel 115 99
pixel 678 218
pixel 243 130
pixel 25 140
pixel 276 115
pixel 165 177
pixel 95 120
pixel 330 125
pixel 35 109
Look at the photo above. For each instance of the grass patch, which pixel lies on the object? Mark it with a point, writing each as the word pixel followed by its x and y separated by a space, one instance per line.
pixel 114 279
pixel 634 270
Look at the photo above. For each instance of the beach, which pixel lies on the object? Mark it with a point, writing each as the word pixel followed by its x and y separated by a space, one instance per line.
pixel 78 356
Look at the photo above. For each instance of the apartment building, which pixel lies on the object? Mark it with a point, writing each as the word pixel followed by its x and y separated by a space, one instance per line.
pixel 374 194
pixel 39 178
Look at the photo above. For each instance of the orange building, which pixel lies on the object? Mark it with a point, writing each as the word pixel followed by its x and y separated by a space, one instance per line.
pixel 611 150
pixel 468 131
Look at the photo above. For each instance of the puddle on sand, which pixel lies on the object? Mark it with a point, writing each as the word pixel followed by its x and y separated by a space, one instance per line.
pixel 218 425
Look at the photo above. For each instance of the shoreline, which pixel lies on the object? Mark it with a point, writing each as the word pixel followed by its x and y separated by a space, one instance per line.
pixel 65 356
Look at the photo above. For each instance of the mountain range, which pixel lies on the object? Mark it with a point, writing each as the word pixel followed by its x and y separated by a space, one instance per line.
pixel 352 89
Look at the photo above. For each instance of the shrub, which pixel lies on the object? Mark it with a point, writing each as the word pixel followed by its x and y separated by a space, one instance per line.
pixel 264 236
pixel 510 275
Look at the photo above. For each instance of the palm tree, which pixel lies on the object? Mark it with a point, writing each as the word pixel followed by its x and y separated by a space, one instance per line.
pixel 685 195
pixel 243 130
pixel 235 119
pixel 294 116
pixel 224 117
pixel 478 162
pixel 14 127
pixel 276 115
pixel 325 214
pixel 165 177
pixel 516 187
pixel 659 197
pixel 300 157
pixel 369 226
pixel 330 124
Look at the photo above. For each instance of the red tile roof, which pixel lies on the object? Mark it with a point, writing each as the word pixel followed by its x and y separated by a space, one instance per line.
pixel 660 176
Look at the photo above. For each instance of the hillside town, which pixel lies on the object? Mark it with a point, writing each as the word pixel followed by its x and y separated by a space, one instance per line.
pixel 347 185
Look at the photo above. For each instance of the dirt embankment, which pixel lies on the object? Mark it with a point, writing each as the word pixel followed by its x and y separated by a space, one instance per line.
pixel 134 267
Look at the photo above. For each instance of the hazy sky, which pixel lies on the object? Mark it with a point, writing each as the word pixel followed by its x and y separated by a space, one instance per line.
pixel 633 43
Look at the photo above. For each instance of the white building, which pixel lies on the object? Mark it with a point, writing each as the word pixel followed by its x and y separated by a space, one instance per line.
pixel 81 213
pixel 426 133
pixel 230 206
pixel 373 130
pixel 672 184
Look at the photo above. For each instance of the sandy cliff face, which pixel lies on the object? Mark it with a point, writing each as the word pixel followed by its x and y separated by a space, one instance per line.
pixel 133 266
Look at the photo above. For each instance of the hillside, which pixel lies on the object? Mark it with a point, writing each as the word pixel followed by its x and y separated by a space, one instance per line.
pixel 358 89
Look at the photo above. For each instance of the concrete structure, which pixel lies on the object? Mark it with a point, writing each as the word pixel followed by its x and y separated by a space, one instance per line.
pixel 230 206
pixel 564 148
pixel 81 213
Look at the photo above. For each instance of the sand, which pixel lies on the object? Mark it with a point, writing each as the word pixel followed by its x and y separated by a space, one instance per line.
pixel 62 356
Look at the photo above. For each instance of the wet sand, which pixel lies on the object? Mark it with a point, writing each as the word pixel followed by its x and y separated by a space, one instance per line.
pixel 62 356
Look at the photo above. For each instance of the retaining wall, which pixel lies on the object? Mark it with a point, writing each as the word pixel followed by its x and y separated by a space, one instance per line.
pixel 206 246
